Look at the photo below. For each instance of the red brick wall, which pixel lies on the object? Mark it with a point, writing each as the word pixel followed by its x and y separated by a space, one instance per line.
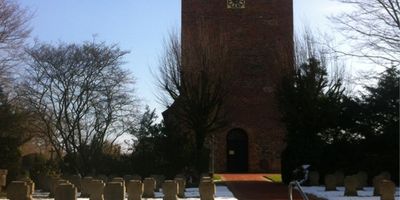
pixel 260 42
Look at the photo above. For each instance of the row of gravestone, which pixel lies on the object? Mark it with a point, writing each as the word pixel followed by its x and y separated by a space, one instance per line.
pixel 44 181
pixel 382 184
pixel 115 189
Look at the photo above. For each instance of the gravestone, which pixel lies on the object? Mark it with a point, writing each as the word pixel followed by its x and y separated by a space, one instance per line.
pixel 95 190
pixel 170 190
pixel 339 178
pixel 134 190
pixel 120 180
pixel 376 183
pixel 386 175
pixel 29 183
pixel 313 176
pixel 3 178
pixel 207 190
pixel 159 181
pixel 181 187
pixel 55 183
pixel 149 185
pixel 65 191
pixel 85 186
pixel 362 178
pixel 51 182
pixel 136 177
pixel 76 181
pixel 330 182
pixel 387 190
pixel 206 178
pixel 181 176
pixel 350 184
pixel 127 177
pixel 114 191
pixel 18 190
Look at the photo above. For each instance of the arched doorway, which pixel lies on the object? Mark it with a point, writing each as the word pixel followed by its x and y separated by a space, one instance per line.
pixel 237 151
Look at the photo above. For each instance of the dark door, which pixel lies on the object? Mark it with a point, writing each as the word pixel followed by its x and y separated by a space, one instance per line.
pixel 237 151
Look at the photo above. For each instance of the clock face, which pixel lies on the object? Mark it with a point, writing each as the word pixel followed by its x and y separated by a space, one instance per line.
pixel 235 3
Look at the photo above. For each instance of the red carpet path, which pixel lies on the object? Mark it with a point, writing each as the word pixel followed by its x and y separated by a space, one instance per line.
pixel 256 187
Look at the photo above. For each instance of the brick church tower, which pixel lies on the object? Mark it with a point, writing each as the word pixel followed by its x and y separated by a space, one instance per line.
pixel 259 36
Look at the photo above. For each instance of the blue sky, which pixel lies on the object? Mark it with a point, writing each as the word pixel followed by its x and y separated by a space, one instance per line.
pixel 138 26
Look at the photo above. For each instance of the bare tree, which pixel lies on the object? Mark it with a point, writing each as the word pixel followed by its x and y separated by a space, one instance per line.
pixel 14 30
pixel 195 78
pixel 372 29
pixel 310 45
pixel 83 96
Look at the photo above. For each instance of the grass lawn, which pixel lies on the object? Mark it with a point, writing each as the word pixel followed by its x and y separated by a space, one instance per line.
pixel 217 178
pixel 276 178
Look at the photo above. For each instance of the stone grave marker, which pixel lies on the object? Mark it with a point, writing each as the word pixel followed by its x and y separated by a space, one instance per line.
pixel 207 190
pixel 59 182
pixel 114 191
pixel 65 191
pixel 159 181
pixel 376 183
pixel 118 179
pixel 55 181
pixel 96 189
pixel 330 182
pixel 181 176
pixel 350 184
pixel 362 178
pixel 18 190
pixel 76 181
pixel 134 190
pixel 127 177
pixel 387 190
pixel 170 190
pixel 181 187
pixel 149 185
pixel 136 177
pixel 3 178
pixel 206 178
pixel 386 175
pixel 29 183
pixel 85 186
pixel 339 178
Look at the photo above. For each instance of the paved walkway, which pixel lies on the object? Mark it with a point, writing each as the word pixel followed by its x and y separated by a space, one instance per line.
pixel 256 187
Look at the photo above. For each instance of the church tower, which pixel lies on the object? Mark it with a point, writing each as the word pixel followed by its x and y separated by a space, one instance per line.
pixel 259 36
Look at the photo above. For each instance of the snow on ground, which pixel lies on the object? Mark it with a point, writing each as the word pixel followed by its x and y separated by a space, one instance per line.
pixel 365 194
pixel 222 193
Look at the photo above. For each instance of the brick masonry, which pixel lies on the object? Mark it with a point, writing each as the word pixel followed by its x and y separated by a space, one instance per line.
pixel 260 42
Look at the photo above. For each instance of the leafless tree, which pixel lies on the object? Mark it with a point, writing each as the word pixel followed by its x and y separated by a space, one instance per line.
pixel 14 30
pixel 83 96
pixel 310 45
pixel 372 29
pixel 195 78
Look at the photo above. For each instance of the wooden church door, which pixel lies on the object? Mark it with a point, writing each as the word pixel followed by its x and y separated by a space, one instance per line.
pixel 237 151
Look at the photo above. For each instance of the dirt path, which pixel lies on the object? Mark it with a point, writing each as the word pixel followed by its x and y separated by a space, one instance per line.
pixel 256 187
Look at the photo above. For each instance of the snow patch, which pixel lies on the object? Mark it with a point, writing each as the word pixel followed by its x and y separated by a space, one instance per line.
pixel 365 194
pixel 222 193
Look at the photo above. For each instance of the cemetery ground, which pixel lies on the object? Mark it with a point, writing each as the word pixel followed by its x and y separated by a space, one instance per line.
pixel 220 187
